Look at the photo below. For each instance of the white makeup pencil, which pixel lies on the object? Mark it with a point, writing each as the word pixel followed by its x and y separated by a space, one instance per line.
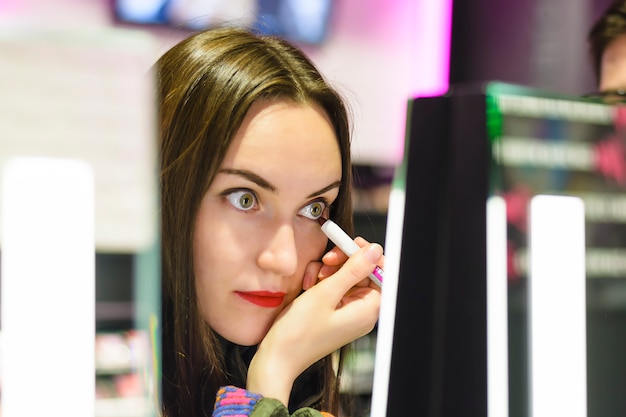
pixel 347 245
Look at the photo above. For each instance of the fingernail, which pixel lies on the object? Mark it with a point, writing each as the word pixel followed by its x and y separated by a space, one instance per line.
pixel 373 252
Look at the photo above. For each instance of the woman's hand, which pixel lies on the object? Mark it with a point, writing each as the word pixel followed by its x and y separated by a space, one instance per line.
pixel 340 308
pixel 332 261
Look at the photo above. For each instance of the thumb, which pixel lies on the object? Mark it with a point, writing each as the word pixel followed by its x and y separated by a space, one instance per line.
pixel 357 268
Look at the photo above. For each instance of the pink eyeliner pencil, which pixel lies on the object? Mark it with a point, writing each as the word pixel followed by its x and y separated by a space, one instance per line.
pixel 347 245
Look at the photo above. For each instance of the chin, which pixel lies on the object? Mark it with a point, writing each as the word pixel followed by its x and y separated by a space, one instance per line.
pixel 247 340
pixel 240 336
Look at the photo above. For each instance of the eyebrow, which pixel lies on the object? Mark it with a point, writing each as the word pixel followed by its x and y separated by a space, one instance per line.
pixel 329 187
pixel 250 176
pixel 261 182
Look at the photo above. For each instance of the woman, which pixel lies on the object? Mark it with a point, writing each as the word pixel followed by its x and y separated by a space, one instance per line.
pixel 607 47
pixel 254 149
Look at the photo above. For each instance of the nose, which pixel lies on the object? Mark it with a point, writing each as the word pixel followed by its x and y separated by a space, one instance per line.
pixel 280 255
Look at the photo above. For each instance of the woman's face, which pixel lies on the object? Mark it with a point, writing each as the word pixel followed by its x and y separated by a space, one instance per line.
pixel 613 66
pixel 256 229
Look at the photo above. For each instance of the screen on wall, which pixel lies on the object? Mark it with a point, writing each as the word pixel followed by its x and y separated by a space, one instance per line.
pixel 300 21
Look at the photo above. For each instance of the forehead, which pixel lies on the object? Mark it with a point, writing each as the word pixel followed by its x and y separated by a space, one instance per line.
pixel 613 66
pixel 279 136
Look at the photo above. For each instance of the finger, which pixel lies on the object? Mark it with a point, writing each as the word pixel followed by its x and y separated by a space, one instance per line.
pixel 362 242
pixel 326 271
pixel 335 257
pixel 356 268
pixel 311 273
pixel 360 308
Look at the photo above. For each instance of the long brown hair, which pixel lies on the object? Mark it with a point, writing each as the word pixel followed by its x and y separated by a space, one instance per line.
pixel 207 83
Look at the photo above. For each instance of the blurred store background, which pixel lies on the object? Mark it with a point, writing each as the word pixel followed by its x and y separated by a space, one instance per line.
pixel 89 60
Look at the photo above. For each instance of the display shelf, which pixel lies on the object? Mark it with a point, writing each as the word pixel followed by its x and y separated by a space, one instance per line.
pixel 121 384
pixel 123 407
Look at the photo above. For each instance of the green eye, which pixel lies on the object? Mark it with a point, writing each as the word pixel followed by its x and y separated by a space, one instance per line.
pixel 242 200
pixel 313 210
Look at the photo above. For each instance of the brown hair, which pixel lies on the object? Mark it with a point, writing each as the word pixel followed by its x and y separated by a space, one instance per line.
pixel 610 26
pixel 207 83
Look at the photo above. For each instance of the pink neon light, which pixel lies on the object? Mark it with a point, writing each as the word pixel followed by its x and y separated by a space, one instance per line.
pixel 7 6
pixel 434 24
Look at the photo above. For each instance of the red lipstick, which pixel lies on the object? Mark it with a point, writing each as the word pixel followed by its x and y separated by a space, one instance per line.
pixel 265 299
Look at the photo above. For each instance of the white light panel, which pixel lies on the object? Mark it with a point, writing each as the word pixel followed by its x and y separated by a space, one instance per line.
pixel 387 317
pixel 48 288
pixel 497 310
pixel 557 307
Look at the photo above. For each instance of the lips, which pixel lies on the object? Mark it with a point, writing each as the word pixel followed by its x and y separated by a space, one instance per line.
pixel 265 299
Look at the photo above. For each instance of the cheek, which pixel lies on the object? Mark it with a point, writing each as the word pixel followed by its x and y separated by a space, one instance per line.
pixel 313 245
pixel 203 248
pixel 203 264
